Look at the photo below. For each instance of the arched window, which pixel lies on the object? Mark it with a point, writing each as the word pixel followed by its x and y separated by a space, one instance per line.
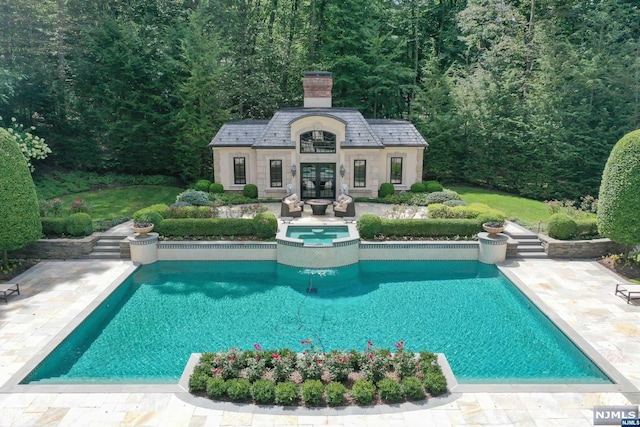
pixel 317 141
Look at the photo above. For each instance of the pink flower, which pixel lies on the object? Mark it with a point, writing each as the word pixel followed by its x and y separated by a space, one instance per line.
pixel 275 356
pixel 257 347
pixel 370 356
pixel 369 343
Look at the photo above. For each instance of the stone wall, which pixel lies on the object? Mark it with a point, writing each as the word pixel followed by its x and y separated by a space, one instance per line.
pixel 595 248
pixel 58 248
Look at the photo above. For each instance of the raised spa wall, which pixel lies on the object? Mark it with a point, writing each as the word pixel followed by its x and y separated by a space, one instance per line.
pixel 489 249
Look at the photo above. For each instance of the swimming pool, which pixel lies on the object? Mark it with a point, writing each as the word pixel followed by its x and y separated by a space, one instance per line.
pixel 317 234
pixel 145 331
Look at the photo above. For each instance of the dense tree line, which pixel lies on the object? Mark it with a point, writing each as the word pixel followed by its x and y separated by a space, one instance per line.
pixel 525 96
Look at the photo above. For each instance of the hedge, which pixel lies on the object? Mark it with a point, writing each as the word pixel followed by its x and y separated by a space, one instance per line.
pixel 159 208
pixel 264 225
pixel 430 227
pixel 53 226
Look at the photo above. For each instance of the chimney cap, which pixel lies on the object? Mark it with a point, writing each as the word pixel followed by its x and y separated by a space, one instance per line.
pixel 317 74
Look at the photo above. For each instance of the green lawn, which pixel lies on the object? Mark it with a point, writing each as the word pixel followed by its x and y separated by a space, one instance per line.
pixel 123 201
pixel 526 211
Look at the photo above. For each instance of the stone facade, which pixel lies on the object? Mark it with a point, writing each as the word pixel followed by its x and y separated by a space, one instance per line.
pixel 595 248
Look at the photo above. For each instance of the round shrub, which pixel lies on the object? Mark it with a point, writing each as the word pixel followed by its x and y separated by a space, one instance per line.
pixel 390 390
pixel 386 189
pixel 198 379
pixel 250 191
pixel 263 391
pixel 286 393
pixel 151 217
pixel 53 226
pixel 159 208
pixel 312 391
pixel 363 391
pixel 369 226
pixel 432 186
pixel 202 185
pixel 79 224
pixel 452 203
pixel 418 187
pixel 216 387
pixel 442 196
pixel 412 388
pixel 216 188
pixel 265 225
pixel 561 227
pixel 334 393
pixel 193 197
pixel 238 389
pixel 435 382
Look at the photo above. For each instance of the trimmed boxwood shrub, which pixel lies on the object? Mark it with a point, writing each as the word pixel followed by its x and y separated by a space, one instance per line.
pixel 265 225
pixel 206 227
pixel 390 390
pixel 334 393
pixel 53 226
pixel 432 186
pixel 586 227
pixel 216 188
pixel 238 388
pixel 198 379
pixel 216 387
pixel 79 224
pixel 435 381
pixel 202 185
pixel 193 197
pixel 363 391
pixel 452 203
pixel 369 226
pixel 263 391
pixel 312 391
pixel 158 208
pixel 418 187
pixel 412 388
pixel 386 188
pixel 286 393
pixel 430 227
pixel 561 227
pixel 151 217
pixel 250 191
pixel 442 196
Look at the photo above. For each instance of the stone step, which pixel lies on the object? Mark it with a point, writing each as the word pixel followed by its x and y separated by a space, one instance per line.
pixel 537 255
pixel 530 249
pixel 104 255
pixel 107 243
pixel 107 249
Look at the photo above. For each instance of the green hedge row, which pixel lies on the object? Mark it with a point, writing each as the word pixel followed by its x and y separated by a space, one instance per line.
pixel 563 227
pixel 264 225
pixel 76 225
pixel 370 226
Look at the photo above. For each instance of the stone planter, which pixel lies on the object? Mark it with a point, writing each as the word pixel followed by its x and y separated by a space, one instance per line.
pixel 492 230
pixel 142 231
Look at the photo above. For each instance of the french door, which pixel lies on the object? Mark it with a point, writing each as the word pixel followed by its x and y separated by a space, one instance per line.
pixel 318 180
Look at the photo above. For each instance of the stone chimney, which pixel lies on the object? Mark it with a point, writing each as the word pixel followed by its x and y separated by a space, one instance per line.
pixel 317 89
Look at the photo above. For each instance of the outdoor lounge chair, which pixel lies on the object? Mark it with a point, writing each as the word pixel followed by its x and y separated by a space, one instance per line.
pixel 628 291
pixel 291 206
pixel 344 206
pixel 8 289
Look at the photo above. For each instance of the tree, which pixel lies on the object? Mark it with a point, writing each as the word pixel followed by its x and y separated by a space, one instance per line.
pixel 618 216
pixel 19 213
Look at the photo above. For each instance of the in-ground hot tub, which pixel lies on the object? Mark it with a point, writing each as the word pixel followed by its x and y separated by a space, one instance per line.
pixel 318 246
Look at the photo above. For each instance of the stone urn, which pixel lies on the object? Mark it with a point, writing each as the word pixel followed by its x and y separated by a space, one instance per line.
pixel 493 227
pixel 142 228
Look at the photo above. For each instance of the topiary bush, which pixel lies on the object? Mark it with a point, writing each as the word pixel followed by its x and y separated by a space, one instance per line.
pixel 586 227
pixel 286 393
pixel 442 196
pixel 334 393
pixel 431 186
pixel 429 227
pixel 216 188
pixel 193 197
pixel 79 225
pixel 390 390
pixel 386 189
pixel 202 185
pixel 369 226
pixel 216 387
pixel 412 388
pixel 312 392
pixel 250 191
pixel 159 208
pixel 561 227
pixel 435 381
pixel 238 388
pixel 263 391
pixel 363 391
pixel 265 225
pixel 206 227
pixel 198 379
pixel 418 187
pixel 53 226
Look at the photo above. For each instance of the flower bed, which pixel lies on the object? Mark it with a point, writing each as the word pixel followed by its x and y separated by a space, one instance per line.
pixel 318 379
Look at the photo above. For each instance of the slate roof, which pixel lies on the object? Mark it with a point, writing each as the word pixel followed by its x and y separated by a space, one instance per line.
pixel 360 133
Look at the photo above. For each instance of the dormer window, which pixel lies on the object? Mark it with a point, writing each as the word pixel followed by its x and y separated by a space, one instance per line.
pixel 317 141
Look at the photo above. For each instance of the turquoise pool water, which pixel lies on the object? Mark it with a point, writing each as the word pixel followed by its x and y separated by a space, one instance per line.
pixel 317 234
pixel 146 330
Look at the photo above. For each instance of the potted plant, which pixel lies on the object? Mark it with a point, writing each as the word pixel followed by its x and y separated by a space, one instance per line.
pixel 143 225
pixel 493 227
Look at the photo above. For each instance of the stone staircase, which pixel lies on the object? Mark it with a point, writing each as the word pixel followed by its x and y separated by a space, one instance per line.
pixel 107 247
pixel 529 246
